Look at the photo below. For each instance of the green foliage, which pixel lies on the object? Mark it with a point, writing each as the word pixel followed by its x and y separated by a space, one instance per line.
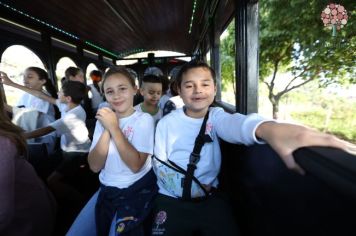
pixel 227 58
pixel 293 36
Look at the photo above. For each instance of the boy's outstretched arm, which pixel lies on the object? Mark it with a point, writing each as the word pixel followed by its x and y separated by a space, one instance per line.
pixel 285 138
pixel 39 132
pixel 5 80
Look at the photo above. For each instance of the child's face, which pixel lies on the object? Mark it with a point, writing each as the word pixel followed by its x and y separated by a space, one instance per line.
pixel 32 80
pixel 151 92
pixel 197 91
pixel 119 93
pixel 78 77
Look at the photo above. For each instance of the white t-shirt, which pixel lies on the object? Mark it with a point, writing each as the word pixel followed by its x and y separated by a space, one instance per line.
pixel 72 128
pixel 95 97
pixel 176 134
pixel 29 101
pixel 138 128
pixel 156 117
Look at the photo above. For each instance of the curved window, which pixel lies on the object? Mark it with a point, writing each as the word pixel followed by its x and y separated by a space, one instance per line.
pixel 90 68
pixel 61 67
pixel 14 65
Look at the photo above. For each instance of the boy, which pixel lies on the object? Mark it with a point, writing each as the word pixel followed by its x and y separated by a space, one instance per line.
pixel 151 90
pixel 181 212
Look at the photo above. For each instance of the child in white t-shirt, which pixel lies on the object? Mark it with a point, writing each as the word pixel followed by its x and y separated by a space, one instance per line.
pixel 37 79
pixel 121 149
pixel 151 90
pixel 174 141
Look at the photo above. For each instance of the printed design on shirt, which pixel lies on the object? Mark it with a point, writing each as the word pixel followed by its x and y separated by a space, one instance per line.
pixel 171 180
pixel 209 131
pixel 160 218
pixel 209 128
pixel 128 132
pixel 120 225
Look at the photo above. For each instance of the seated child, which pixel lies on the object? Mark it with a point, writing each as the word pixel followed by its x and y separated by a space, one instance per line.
pixel 121 151
pixel 151 90
pixel 188 203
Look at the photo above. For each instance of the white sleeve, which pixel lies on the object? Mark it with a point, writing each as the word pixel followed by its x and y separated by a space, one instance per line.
pixel 237 128
pixel 160 148
pixel 143 138
pixel 97 134
pixel 60 126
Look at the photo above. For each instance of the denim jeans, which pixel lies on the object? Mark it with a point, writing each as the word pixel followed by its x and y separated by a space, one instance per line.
pixel 84 224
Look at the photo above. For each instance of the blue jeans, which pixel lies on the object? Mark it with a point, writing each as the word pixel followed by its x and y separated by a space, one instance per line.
pixel 84 224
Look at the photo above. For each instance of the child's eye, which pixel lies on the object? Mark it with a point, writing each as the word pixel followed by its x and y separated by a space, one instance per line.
pixel 123 89
pixel 188 86
pixel 108 92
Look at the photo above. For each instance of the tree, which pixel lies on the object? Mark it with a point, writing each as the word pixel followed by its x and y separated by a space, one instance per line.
pixel 294 40
pixel 295 48
pixel 227 58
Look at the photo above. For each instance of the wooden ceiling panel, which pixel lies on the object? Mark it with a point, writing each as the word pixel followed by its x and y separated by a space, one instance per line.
pixel 123 25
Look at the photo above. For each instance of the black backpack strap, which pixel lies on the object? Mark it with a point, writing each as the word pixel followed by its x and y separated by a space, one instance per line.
pixel 194 159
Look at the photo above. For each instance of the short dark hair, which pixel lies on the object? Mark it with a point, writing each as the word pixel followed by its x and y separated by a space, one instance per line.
pixel 72 71
pixel 192 65
pixel 151 79
pixel 74 89
pixel 118 70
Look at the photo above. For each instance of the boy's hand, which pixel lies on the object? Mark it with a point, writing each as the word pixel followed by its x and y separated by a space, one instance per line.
pixel 5 79
pixel 107 118
pixel 286 138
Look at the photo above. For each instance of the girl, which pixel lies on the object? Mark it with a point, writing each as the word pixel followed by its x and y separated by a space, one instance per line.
pixel 194 207
pixel 26 206
pixel 121 149
pixel 37 78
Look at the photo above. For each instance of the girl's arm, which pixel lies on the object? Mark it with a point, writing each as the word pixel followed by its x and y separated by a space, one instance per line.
pixel 132 158
pixel 5 80
pixel 97 156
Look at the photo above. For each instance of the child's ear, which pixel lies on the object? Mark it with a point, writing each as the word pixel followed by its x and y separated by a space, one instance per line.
pixel 141 91
pixel 68 99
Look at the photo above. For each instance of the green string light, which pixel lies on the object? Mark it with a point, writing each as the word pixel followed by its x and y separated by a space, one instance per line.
pixel 101 49
pixel 39 21
pixel 57 29
pixel 192 17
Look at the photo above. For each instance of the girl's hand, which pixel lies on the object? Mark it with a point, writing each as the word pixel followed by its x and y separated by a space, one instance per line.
pixel 5 79
pixel 107 118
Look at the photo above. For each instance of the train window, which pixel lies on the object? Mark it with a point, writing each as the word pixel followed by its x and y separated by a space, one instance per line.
pixel 90 68
pixel 227 60
pixel 62 65
pixel 14 65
